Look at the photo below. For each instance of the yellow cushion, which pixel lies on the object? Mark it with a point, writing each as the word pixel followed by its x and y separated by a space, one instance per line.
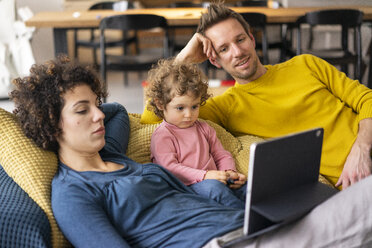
pixel 148 117
pixel 139 139
pixel 31 167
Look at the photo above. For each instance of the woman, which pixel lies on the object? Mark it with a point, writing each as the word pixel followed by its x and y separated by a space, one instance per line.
pixel 101 198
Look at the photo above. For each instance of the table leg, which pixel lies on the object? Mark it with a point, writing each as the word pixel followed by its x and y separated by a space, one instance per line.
pixel 60 41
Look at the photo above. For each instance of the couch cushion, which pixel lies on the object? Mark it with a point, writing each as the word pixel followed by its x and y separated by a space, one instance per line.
pixel 31 167
pixel 22 222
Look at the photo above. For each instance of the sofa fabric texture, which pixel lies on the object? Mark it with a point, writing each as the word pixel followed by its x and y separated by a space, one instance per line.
pixel 22 222
pixel 31 167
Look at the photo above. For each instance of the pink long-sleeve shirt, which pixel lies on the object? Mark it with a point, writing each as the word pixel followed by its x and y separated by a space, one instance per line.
pixel 189 152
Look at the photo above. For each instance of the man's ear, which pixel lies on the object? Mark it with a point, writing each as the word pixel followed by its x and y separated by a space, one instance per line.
pixel 252 38
pixel 215 63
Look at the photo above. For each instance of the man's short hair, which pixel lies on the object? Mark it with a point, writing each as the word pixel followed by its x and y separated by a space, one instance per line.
pixel 218 12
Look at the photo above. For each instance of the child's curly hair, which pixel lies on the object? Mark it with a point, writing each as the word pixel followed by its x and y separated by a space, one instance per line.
pixel 168 79
pixel 39 97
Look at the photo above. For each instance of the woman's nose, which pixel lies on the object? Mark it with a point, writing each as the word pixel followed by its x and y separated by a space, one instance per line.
pixel 98 115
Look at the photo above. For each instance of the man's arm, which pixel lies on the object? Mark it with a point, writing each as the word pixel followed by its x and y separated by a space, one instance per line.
pixel 197 50
pixel 358 163
pixel 359 99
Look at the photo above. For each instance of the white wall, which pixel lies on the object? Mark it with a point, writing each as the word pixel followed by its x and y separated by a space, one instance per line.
pixel 42 42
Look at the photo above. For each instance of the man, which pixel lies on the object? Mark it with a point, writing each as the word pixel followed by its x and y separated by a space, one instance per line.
pixel 274 100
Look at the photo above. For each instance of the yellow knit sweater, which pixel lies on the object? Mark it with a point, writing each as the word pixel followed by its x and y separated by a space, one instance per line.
pixel 299 94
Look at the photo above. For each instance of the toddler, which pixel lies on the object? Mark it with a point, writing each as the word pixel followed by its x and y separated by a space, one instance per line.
pixel 187 147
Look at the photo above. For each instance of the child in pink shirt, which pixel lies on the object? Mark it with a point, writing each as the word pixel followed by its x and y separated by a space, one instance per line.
pixel 187 147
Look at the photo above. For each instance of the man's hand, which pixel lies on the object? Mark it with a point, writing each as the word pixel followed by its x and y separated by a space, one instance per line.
pixel 357 166
pixel 198 49
pixel 358 163
pixel 239 179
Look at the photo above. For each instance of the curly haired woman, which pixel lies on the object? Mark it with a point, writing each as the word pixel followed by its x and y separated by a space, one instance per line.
pixel 190 148
pixel 101 198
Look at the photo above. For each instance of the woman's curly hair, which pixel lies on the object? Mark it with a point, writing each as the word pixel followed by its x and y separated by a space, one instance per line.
pixel 168 79
pixel 39 100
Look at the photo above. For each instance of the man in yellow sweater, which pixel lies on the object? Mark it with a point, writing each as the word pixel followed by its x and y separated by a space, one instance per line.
pixel 274 100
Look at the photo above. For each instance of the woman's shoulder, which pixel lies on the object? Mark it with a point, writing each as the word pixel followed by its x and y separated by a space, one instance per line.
pixel 65 178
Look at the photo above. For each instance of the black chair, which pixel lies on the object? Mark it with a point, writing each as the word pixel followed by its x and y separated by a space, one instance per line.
pixel 289 49
pixel 177 45
pixel 257 22
pixel 184 5
pixel 140 61
pixel 93 41
pixel 343 55
pixel 252 3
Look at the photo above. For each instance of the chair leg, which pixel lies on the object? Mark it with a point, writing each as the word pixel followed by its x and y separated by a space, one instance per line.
pixel 311 38
pixel 358 69
pixel 265 52
pixel 345 68
pixel 283 34
pixel 369 82
pixel 125 79
pixel 204 67
pixel 75 44
pixel 95 57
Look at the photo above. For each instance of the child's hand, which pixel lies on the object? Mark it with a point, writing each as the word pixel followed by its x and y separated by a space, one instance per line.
pixel 239 179
pixel 221 176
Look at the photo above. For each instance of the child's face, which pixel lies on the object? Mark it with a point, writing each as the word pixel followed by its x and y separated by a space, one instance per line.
pixel 182 111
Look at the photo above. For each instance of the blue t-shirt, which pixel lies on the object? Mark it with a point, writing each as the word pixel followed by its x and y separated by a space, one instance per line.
pixel 137 206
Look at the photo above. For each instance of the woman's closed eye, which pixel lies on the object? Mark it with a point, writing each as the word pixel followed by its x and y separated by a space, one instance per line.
pixel 83 111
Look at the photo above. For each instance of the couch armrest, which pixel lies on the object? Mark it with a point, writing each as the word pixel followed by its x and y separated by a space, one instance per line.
pixel 22 222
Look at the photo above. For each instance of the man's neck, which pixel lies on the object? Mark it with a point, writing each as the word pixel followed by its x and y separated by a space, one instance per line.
pixel 261 70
